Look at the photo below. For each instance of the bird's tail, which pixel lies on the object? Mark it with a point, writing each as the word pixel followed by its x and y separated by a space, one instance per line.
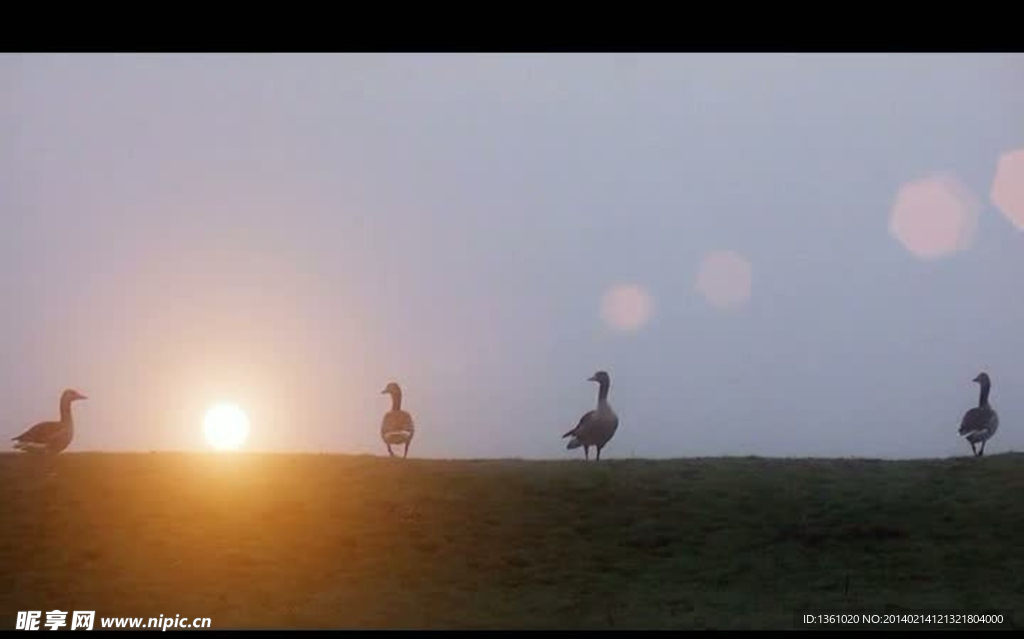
pixel 569 433
pixel 28 447
pixel 573 443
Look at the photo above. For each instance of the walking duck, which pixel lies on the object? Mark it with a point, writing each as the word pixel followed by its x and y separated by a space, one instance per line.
pixel 51 437
pixel 597 426
pixel 397 426
pixel 980 423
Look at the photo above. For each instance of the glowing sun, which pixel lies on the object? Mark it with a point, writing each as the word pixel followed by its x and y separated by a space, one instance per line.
pixel 226 427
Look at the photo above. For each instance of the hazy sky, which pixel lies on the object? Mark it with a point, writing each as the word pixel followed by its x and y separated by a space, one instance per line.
pixel 291 232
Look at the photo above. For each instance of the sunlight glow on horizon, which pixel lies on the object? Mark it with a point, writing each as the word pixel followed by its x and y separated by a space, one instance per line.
pixel 226 426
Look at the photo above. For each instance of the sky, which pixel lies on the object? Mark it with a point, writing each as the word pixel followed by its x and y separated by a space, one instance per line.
pixel 771 254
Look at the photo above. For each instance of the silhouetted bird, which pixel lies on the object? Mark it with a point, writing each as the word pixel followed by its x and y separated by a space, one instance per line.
pixel 397 426
pixel 51 437
pixel 598 426
pixel 981 422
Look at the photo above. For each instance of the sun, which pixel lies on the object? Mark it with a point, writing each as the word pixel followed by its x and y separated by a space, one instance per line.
pixel 226 426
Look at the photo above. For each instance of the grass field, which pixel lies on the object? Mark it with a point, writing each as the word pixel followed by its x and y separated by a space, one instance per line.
pixel 324 541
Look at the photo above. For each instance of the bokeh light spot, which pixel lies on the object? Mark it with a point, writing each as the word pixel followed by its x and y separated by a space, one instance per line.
pixel 725 279
pixel 1007 192
pixel 626 307
pixel 935 217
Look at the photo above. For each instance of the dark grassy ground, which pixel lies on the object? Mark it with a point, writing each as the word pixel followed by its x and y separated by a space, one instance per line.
pixel 329 541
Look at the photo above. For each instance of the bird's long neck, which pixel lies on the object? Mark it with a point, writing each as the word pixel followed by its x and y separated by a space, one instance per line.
pixel 602 393
pixel 983 396
pixel 65 411
pixel 396 400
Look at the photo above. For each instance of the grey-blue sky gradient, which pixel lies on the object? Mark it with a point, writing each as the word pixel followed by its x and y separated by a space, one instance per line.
pixel 291 232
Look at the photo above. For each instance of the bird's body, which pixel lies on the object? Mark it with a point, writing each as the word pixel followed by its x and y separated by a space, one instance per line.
pixel 597 426
pixel 397 426
pixel 980 423
pixel 51 437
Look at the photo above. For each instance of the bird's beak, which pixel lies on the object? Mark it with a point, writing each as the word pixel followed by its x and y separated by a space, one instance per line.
pixel 592 378
pixel 81 396
pixel 977 379
pixel 384 392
